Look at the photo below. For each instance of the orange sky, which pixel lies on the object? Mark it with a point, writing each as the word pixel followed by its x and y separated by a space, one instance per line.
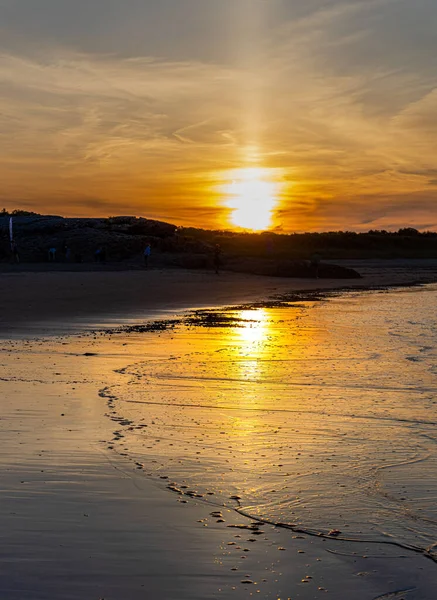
pixel 165 109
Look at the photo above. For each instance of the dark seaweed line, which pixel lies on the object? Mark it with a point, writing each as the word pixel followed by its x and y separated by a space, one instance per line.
pixel 426 552
pixel 215 317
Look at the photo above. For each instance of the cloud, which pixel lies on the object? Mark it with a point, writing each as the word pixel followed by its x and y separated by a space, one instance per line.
pixel 100 118
pixel 302 91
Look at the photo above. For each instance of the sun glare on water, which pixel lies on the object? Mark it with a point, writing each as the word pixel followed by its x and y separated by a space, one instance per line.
pixel 252 195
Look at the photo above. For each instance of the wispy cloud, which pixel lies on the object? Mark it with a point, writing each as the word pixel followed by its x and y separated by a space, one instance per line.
pixel 353 134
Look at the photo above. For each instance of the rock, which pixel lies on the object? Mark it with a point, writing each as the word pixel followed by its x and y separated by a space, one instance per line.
pixel 334 532
pixel 121 237
pixel 289 268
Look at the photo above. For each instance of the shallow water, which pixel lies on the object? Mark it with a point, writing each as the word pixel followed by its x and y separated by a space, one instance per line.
pixel 320 414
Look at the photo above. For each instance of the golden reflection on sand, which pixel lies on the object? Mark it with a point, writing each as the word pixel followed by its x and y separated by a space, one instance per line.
pixel 255 329
pixel 250 338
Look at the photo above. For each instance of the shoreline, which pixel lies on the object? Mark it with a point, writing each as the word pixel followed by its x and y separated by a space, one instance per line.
pixel 123 533
pixel 213 316
pixel 74 510
pixel 62 302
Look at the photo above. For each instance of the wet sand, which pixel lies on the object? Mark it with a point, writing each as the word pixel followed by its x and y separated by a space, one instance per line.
pixel 79 519
pixel 40 299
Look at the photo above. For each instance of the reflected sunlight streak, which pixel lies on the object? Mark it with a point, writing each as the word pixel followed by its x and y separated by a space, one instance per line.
pixel 250 337
pixel 256 327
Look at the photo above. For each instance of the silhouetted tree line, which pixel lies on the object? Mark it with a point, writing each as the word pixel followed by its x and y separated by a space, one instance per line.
pixel 404 243
pixel 18 213
pixel 124 237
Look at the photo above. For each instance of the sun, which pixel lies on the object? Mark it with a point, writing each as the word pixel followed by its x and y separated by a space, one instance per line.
pixel 252 196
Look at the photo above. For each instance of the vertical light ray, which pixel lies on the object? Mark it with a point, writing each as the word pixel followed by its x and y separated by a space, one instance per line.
pixel 250 32
pixel 250 192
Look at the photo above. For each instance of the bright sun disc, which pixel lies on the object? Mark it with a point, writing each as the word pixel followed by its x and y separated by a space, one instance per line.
pixel 252 196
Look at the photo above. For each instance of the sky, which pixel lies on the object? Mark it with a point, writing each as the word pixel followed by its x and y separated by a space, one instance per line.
pixel 195 111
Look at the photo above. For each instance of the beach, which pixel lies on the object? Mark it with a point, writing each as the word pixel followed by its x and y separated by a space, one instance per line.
pixel 196 459
pixel 60 298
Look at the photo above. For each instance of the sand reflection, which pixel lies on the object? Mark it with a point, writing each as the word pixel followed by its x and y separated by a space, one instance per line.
pixel 256 328
pixel 301 415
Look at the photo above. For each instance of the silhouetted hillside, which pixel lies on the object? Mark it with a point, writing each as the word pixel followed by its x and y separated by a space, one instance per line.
pixel 124 238
pixel 119 237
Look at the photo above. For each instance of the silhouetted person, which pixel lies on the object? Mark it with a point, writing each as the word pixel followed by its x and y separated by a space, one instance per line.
pixel 315 264
pixel 97 254
pixel 217 258
pixel 147 252
pixel 66 252
pixel 270 248
pixel 14 252
pixel 52 254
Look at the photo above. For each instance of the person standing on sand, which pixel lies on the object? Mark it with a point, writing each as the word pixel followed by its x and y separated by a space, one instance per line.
pixel 315 264
pixel 147 253
pixel 66 252
pixel 14 252
pixel 217 257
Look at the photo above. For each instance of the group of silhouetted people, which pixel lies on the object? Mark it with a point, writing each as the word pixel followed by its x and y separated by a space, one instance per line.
pixel 65 253
pixel 100 256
